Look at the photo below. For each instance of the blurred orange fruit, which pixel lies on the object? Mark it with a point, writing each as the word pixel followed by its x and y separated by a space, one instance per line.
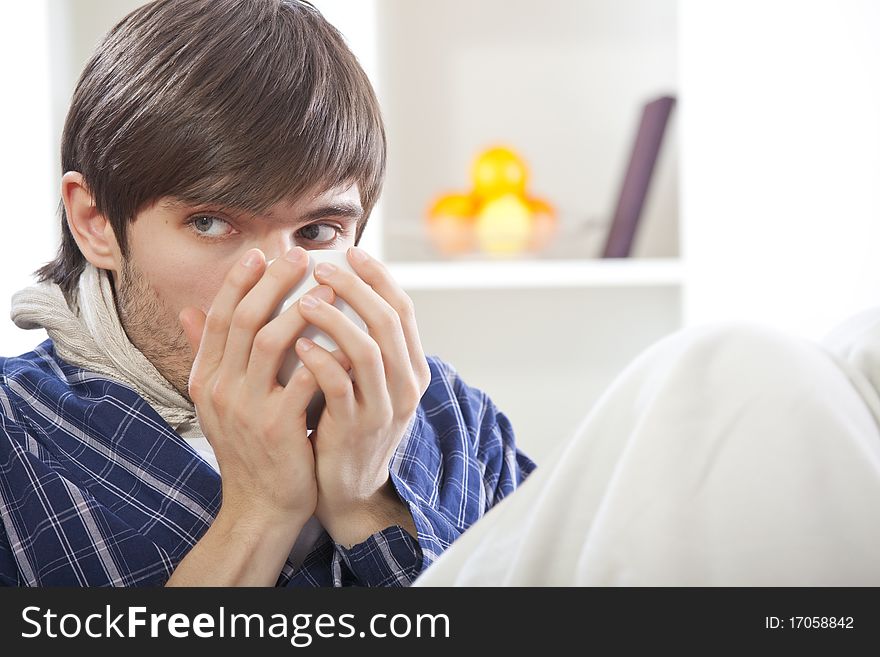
pixel 497 215
pixel 463 206
pixel 537 206
pixel 499 171
pixel 450 223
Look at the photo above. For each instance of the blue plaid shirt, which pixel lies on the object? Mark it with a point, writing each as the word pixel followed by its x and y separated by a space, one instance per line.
pixel 97 490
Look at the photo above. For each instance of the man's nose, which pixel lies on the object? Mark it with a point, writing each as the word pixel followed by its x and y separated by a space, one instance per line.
pixel 277 245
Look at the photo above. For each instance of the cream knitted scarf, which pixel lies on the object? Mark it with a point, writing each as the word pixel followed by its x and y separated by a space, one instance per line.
pixel 87 333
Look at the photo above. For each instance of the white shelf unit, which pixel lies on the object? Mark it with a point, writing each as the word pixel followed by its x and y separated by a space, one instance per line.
pixel 537 274
pixel 563 82
pixel 544 353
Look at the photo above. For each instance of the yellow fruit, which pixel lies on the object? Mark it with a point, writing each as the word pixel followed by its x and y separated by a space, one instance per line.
pixel 504 225
pixel 462 206
pixel 499 171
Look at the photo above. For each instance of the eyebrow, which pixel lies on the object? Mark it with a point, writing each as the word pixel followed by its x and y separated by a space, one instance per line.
pixel 343 210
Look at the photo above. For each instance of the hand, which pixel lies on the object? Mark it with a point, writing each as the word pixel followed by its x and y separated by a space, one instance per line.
pixel 256 426
pixel 363 420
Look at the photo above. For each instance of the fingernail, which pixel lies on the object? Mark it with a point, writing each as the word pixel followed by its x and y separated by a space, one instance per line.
pixel 322 292
pixel 325 269
pixel 358 255
pixel 251 258
pixel 305 344
pixel 308 301
pixel 295 254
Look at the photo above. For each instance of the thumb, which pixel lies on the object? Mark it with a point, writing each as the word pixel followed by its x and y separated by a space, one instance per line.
pixel 193 322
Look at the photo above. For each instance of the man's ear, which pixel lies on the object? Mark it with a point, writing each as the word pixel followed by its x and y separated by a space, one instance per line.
pixel 92 230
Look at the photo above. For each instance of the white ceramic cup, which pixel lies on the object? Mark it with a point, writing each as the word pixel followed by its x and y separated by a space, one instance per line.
pixel 308 282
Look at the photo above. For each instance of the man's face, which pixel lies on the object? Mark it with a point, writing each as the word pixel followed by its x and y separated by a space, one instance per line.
pixel 179 256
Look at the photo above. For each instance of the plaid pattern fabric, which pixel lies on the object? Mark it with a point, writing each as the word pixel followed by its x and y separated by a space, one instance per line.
pixel 97 490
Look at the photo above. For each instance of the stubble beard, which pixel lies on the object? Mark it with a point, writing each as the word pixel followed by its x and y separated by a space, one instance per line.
pixel 153 328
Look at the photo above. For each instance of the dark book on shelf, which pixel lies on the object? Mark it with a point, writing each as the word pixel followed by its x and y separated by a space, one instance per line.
pixel 637 179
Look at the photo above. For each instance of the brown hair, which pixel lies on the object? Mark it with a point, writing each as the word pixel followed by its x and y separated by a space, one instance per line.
pixel 240 103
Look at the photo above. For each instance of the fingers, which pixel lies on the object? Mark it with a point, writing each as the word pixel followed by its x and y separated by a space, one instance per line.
pixel 373 275
pixel 297 394
pixel 383 324
pixel 377 276
pixel 329 371
pixel 240 279
pixel 273 342
pixel 303 386
pixel 256 307
pixel 364 352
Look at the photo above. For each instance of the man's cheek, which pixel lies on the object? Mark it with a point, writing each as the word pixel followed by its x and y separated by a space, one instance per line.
pixel 207 299
pixel 210 282
pixel 198 289
pixel 201 295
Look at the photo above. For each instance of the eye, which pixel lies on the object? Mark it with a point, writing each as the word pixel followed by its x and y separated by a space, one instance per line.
pixel 208 226
pixel 323 233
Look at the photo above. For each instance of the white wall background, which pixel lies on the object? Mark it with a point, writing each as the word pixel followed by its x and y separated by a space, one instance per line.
pixel 780 129
pixel 46 44
pixel 357 20
pixel 28 235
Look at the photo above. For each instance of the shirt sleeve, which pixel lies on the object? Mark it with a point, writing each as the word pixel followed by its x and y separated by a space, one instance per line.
pixel 458 460
pixel 391 557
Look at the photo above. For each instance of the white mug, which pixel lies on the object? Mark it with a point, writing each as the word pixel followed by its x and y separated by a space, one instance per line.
pixel 308 282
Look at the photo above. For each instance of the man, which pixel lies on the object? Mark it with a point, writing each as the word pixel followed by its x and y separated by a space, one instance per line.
pixel 148 441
